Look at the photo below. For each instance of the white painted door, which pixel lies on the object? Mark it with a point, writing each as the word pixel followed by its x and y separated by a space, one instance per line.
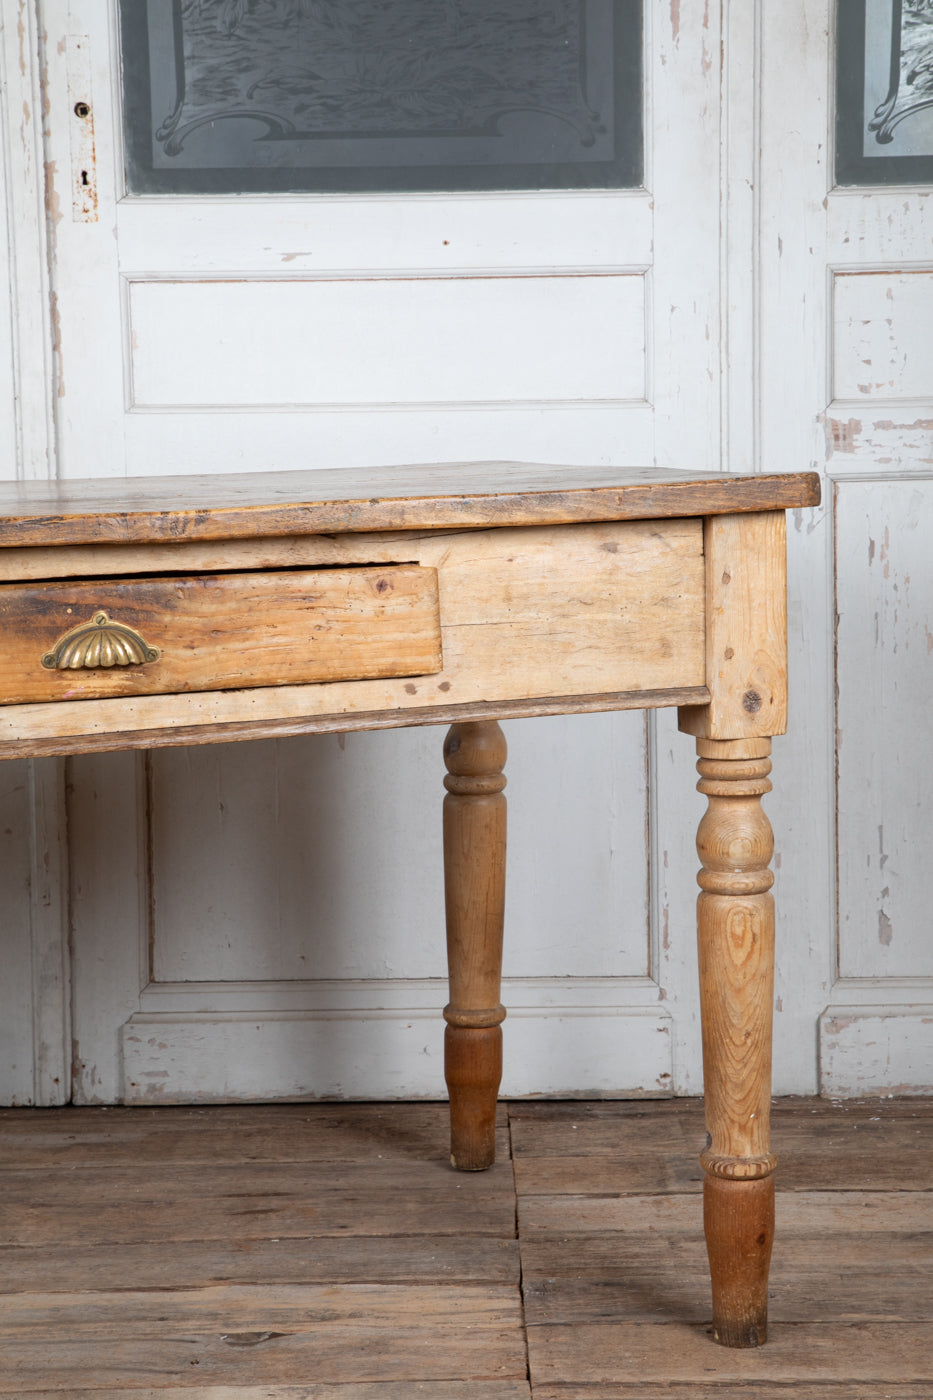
pixel 266 920
pixel 847 386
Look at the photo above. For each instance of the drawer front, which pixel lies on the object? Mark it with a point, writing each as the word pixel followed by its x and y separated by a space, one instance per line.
pixel 150 636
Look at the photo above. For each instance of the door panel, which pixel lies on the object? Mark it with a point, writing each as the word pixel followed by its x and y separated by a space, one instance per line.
pixel 885 667
pixel 739 308
pixel 845 286
pixel 243 332
pixel 298 344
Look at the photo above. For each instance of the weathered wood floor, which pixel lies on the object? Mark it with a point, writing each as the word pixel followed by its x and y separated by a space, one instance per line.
pixel 327 1252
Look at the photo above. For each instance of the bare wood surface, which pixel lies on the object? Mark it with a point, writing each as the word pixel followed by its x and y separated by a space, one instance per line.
pixel 538 615
pixel 255 1265
pixel 615 1302
pixel 885 1210
pixel 379 1390
pixel 821 1274
pixel 216 556
pixel 250 1335
pixel 459 1257
pixel 244 1309
pixel 134 1204
pixel 231 1135
pixel 456 494
pixel 735 934
pixel 225 631
pixel 474 896
pixel 741 1390
pixel 868 1143
pixel 798 1354
pixel 746 629
pixel 49 730
pixel 611 1279
pixel 735 916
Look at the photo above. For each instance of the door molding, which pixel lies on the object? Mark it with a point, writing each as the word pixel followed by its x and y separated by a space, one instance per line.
pixel 26 398
pixel 28 442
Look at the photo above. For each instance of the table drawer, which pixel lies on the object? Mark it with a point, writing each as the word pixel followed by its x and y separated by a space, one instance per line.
pixel 149 636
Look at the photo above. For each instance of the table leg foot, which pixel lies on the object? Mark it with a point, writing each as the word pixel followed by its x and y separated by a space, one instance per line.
pixel 473 1069
pixel 474 882
pixel 738 1217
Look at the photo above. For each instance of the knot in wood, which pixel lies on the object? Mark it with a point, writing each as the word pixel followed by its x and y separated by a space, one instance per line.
pixel 738 1168
pixel 474 1020
pixel 470 785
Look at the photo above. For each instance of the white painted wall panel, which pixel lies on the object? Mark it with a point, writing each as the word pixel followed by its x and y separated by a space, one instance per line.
pixel 884 601
pixel 176 442
pixel 881 1050
pixel 320 858
pixel 451 234
pixel 219 1059
pixel 881 335
pixel 17 1051
pixel 293 342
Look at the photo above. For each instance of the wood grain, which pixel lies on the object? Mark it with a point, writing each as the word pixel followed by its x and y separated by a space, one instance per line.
pixel 457 494
pixel 615 1296
pixel 474 897
pixel 798 1355
pixel 623 1271
pixel 240 1308
pixel 819 1275
pixel 378 1390
pixel 702 1390
pixel 735 927
pixel 227 1135
pixel 47 731
pixel 604 1149
pixel 341 1258
pixel 537 614
pixel 735 918
pixel 746 629
pixel 277 1334
pixel 225 631
pixel 285 1201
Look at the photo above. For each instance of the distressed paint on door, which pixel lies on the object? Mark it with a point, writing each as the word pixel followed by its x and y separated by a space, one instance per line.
pixel 608 280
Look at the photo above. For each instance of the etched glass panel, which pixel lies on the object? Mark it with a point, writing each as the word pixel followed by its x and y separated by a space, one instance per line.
pixel 224 96
pixel 884 92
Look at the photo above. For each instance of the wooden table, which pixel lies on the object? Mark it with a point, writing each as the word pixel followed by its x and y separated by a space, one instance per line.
pixel 192 610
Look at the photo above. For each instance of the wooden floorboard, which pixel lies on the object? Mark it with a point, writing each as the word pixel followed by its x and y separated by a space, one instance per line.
pixel 652 1147
pixel 806 1211
pixel 233 1135
pixel 399 1259
pixel 334 1332
pixel 742 1390
pixel 123 1205
pixel 379 1390
pixel 328 1252
pixel 616 1296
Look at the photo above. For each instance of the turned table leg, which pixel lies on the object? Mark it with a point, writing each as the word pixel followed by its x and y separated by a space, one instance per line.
pixel 474 880
pixel 735 920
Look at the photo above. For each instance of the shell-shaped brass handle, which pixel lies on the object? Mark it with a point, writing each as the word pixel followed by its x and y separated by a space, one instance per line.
pixel 99 643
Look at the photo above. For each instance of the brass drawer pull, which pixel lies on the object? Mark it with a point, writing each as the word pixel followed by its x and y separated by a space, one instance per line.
pixel 99 643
